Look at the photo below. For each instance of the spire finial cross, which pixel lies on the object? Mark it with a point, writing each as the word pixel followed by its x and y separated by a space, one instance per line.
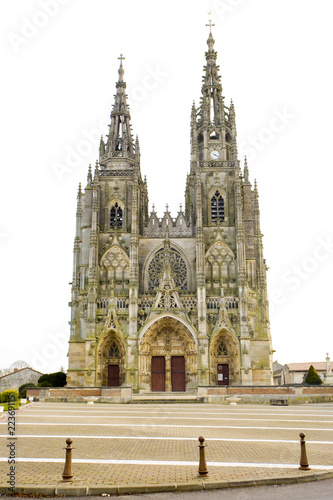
pixel 122 57
pixel 210 22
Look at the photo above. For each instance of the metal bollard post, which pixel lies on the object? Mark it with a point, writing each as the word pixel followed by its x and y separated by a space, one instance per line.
pixel 202 471
pixel 303 464
pixel 67 475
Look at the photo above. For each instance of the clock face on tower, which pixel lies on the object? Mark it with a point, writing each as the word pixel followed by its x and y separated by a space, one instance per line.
pixel 214 155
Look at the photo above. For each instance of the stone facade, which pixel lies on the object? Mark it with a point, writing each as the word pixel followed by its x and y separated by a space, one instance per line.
pixel 19 377
pixel 174 302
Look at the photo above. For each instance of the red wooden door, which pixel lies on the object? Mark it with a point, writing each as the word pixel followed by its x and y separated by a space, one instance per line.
pixel 178 373
pixel 222 374
pixel 113 376
pixel 158 373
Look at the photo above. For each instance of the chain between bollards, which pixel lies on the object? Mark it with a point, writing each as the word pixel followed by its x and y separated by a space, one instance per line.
pixel 303 464
pixel 202 471
pixel 67 475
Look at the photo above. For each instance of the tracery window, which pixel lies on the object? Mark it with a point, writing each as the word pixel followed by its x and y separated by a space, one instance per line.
pixel 178 266
pixel 217 207
pixel 221 349
pixel 114 351
pixel 116 217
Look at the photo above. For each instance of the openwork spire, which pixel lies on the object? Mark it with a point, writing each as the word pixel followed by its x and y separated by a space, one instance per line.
pixel 213 125
pixel 120 140
pixel 212 88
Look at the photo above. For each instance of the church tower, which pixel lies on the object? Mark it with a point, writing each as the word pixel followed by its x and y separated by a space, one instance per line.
pixel 170 303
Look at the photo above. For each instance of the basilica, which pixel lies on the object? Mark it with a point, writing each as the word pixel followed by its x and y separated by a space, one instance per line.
pixel 175 302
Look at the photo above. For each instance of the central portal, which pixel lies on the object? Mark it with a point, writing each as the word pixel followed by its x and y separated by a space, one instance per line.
pixel 167 357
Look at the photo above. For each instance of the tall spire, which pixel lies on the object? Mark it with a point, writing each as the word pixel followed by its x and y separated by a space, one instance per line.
pixel 212 88
pixel 213 126
pixel 120 140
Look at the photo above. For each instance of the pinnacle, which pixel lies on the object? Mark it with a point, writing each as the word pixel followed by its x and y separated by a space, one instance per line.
pixel 89 176
pixel 96 170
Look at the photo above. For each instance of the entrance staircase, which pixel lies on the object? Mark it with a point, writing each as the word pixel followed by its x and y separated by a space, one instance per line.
pixel 164 397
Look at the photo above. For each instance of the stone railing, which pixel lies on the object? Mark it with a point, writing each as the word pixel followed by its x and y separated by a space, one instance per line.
pixel 104 302
pixel 230 302
pixel 218 164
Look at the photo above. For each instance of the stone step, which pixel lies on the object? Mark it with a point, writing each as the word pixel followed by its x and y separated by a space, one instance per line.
pixel 164 397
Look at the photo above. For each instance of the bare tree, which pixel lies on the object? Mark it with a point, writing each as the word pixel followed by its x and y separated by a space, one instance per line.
pixel 19 364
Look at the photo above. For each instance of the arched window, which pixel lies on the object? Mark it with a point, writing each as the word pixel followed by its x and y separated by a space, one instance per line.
pixel 217 207
pixel 116 216
pixel 221 349
pixel 114 351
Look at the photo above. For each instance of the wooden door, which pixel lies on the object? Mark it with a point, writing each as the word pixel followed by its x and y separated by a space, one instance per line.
pixel 113 376
pixel 222 374
pixel 158 373
pixel 178 373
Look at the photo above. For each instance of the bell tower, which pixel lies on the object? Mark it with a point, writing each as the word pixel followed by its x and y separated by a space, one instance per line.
pixel 224 207
pixel 112 212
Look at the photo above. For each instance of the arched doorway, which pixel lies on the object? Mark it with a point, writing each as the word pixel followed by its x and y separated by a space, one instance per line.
pixel 111 361
pixel 168 357
pixel 224 359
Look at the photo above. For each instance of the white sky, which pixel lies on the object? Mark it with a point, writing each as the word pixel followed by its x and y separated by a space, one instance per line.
pixel 58 82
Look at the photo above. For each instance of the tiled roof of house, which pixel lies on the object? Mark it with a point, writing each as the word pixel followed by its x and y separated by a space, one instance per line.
pixel 21 369
pixel 304 367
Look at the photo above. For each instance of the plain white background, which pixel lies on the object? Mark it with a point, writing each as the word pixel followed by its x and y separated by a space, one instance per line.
pixel 59 61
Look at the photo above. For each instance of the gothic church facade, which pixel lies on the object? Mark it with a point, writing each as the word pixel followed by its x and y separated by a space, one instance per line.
pixel 171 303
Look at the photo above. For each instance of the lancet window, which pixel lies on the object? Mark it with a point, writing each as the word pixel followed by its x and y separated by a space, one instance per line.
pixel 116 217
pixel 114 351
pixel 217 207
pixel 221 349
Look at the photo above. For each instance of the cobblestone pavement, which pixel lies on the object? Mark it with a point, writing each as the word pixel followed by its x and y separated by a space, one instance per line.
pixel 124 445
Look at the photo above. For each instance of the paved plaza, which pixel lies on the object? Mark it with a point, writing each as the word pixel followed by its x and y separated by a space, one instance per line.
pixel 120 448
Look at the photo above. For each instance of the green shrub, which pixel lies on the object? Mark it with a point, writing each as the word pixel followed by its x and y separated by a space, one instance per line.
pixel 312 377
pixel 23 389
pixel 9 396
pixel 57 379
pixel 12 406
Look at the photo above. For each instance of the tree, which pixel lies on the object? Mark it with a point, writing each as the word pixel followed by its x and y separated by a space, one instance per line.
pixel 19 364
pixel 23 389
pixel 312 377
pixel 57 379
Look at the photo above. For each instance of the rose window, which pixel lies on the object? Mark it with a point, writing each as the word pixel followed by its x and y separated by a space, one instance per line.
pixel 178 267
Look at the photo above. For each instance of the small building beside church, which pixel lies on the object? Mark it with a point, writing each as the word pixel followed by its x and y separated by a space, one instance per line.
pixel 167 303
pixel 19 377
pixel 295 373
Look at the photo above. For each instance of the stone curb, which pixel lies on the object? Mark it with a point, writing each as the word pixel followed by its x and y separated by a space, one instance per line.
pixel 203 484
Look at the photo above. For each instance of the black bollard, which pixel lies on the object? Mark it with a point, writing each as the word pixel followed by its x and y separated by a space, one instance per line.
pixel 67 475
pixel 303 464
pixel 202 471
